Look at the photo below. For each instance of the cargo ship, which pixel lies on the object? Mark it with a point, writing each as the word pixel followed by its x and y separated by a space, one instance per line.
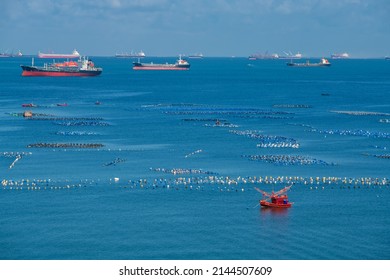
pixel 140 54
pixel 339 56
pixel 4 54
pixel 263 56
pixel 197 55
pixel 74 54
pixel 290 55
pixel 180 64
pixel 82 68
pixel 323 62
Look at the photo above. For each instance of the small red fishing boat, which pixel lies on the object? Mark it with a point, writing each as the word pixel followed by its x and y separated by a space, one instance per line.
pixel 275 199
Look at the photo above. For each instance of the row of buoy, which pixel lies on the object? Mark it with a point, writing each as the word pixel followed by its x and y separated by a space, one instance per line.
pixel 222 124
pixel 203 120
pixel 357 132
pixel 33 115
pixel 287 159
pixel 18 157
pixel 177 171
pixel 263 138
pixel 222 183
pixel 193 153
pixel 296 180
pixel 361 113
pixel 301 124
pixel 278 145
pixel 52 118
pixel 291 106
pixel 76 133
pixel 220 111
pixel 66 145
pixel 386 156
pixel 15 154
pixel 82 123
pixel 242 114
pixel 115 162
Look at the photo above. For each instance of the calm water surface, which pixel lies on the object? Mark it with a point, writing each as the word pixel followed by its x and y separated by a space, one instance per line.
pixel 65 203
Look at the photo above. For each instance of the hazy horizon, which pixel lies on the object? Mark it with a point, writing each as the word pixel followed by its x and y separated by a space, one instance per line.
pixel 221 28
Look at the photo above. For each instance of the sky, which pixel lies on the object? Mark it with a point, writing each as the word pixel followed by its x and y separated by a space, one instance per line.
pixel 211 27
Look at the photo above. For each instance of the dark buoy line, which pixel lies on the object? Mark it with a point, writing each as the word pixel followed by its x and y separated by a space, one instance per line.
pixel 66 145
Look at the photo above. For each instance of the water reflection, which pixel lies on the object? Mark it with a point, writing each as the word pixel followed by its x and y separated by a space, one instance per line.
pixel 274 212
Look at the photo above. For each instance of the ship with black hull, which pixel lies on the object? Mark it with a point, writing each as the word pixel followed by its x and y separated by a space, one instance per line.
pixel 82 68
pixel 323 62
pixel 180 64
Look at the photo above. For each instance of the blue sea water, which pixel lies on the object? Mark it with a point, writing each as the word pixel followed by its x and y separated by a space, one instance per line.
pixel 168 183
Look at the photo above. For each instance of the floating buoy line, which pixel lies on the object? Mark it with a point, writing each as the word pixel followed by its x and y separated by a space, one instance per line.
pixel 16 155
pixel 287 159
pixel 66 145
pixel 361 113
pixel 204 183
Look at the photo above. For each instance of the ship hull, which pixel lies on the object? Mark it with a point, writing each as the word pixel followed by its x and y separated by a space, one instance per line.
pixel 267 204
pixel 31 71
pixel 70 56
pixel 129 56
pixel 306 65
pixel 159 68
pixel 144 66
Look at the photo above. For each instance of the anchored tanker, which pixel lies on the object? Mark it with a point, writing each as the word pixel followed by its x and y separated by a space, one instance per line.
pixel 323 62
pixel 180 64
pixel 140 54
pixel 83 68
pixel 74 54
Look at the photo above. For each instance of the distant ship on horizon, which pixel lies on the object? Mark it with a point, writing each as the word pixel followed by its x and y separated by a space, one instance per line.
pixel 340 56
pixel 290 55
pixel 197 55
pixel 5 54
pixel 74 54
pixel 140 54
pixel 263 56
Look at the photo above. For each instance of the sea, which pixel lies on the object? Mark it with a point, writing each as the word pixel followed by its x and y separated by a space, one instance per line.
pixel 163 165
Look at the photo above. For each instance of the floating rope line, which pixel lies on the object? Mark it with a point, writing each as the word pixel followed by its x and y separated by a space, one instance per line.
pixel 193 153
pixel 357 132
pixel 82 123
pixel 287 159
pixel 75 133
pixel 17 155
pixel 361 113
pixel 179 171
pixel 115 162
pixel 268 141
pixel 209 182
pixel 66 145
pixel 291 106
pixel 65 119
